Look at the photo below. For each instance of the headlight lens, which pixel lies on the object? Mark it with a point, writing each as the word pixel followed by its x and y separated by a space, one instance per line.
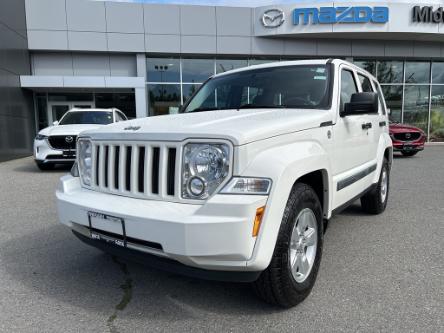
pixel 247 185
pixel 40 137
pixel 84 153
pixel 205 167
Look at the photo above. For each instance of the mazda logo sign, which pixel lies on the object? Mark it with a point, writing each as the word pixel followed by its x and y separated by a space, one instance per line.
pixel 69 139
pixel 273 18
pixel 408 135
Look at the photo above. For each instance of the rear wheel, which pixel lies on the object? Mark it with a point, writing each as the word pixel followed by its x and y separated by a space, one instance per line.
pixel 45 166
pixel 292 272
pixel 409 153
pixel 375 201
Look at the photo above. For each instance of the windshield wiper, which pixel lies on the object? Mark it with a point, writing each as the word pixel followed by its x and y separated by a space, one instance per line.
pixel 256 106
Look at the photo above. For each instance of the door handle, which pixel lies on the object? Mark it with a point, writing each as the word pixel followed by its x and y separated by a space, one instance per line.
pixel 382 124
pixel 366 126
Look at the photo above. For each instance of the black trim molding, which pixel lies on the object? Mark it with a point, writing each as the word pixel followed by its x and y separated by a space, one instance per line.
pixel 354 178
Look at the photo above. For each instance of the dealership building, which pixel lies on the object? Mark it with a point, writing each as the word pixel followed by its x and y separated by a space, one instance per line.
pixel 148 59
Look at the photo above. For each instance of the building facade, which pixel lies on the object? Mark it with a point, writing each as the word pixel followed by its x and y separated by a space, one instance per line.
pixel 148 59
pixel 17 126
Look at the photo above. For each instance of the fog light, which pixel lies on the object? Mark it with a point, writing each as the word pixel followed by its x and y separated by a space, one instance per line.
pixel 196 186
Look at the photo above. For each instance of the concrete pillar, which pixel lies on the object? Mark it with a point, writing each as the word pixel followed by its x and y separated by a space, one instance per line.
pixel 141 102
pixel 141 92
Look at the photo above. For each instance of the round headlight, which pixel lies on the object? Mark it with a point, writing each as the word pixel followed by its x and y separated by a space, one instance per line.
pixel 208 162
pixel 84 149
pixel 204 167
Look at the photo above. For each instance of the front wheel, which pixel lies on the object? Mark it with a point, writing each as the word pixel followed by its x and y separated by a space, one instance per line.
pixel 375 201
pixel 292 272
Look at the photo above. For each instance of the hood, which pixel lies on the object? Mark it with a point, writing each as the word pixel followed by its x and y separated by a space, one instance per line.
pixel 240 127
pixel 68 129
pixel 397 128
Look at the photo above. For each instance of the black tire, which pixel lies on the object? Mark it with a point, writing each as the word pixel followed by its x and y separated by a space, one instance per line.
pixel 276 285
pixel 372 202
pixel 45 166
pixel 409 153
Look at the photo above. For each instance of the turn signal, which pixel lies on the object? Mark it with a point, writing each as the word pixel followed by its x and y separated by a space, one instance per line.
pixel 258 220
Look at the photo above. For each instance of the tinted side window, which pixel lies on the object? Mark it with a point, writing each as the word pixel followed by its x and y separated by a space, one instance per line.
pixel 348 88
pixel 365 83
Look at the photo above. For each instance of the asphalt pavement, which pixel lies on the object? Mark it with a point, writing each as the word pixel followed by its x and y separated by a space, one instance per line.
pixel 378 273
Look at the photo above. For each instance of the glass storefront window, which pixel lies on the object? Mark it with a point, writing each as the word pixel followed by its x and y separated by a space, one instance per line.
pixel 368 65
pixel 64 97
pixel 416 106
pixel 438 72
pixel 42 107
pixel 223 65
pixel 390 71
pixel 437 114
pixel 163 69
pixel 125 102
pixel 189 90
pixel 393 99
pixel 417 72
pixel 260 61
pixel 164 98
pixel 197 70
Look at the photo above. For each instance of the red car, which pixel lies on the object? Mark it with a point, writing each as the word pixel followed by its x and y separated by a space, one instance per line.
pixel 407 139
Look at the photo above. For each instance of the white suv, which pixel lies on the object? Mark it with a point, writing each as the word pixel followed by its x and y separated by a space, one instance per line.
pixel 57 144
pixel 239 185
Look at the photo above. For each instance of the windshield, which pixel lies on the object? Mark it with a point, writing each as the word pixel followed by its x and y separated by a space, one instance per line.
pixel 87 117
pixel 300 86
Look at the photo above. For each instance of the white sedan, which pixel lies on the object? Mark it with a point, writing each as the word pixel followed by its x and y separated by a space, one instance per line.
pixel 57 144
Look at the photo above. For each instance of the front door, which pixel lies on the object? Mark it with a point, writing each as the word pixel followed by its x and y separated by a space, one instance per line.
pixel 56 110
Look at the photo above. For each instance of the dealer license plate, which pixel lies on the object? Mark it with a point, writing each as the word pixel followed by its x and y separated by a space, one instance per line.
pixel 107 228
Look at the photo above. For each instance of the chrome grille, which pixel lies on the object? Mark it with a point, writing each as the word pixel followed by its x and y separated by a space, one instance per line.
pixel 137 169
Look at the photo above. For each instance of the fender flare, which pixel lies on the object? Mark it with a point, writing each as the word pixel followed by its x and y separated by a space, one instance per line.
pixel 289 163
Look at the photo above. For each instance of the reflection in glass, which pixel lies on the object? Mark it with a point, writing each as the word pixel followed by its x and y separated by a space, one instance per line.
pixel 125 102
pixel 223 65
pixel 390 71
pixel 163 69
pixel 417 72
pixel 438 72
pixel 393 99
pixel 437 114
pixel 197 70
pixel 163 98
pixel 189 90
pixel 368 65
pixel 416 106
pixel 259 61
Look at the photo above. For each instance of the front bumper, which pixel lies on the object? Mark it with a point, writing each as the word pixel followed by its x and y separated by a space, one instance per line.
pixel 408 146
pixel 45 154
pixel 216 235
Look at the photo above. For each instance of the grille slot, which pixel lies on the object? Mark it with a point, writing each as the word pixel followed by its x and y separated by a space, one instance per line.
pixel 140 170
pixel 155 173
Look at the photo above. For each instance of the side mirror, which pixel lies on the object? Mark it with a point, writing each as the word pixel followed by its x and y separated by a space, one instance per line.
pixel 361 103
pixel 389 111
pixel 55 123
